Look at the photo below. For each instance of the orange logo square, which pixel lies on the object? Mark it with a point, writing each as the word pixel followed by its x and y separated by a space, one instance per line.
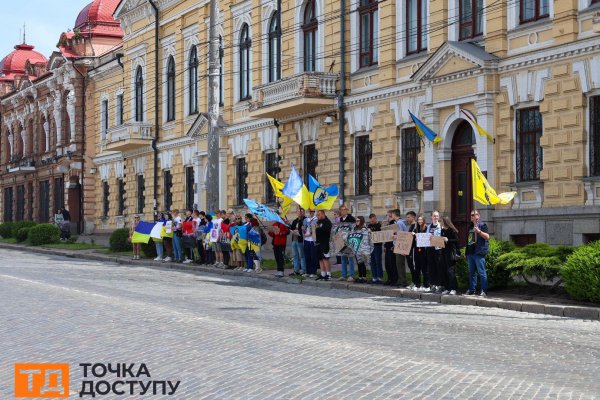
pixel 50 381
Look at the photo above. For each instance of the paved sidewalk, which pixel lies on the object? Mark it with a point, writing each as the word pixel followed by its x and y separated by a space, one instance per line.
pixel 547 306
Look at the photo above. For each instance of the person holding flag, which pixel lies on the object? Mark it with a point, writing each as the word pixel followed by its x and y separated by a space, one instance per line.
pixel 137 246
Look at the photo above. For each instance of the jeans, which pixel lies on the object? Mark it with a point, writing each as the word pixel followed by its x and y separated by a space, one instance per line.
pixel 298 257
pixel 345 261
pixel 249 259
pixel 477 266
pixel 310 255
pixel 376 268
pixel 177 248
pixel 159 249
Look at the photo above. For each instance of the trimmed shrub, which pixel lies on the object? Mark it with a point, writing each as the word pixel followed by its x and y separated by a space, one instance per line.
pixel 21 224
pixel 6 230
pixel 581 273
pixel 498 276
pixel 23 234
pixel 149 249
pixel 118 240
pixel 43 234
pixel 540 260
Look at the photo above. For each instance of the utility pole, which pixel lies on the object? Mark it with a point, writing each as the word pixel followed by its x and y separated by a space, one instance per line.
pixel 212 186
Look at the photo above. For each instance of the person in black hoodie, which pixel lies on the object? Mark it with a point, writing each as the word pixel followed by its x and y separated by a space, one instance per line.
pixel 323 233
pixel 450 255
pixel 390 257
pixel 376 267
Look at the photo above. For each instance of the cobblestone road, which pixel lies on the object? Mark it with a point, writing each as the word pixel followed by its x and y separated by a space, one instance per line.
pixel 242 338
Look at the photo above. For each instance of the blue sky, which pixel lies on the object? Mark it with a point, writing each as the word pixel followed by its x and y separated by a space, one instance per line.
pixel 45 21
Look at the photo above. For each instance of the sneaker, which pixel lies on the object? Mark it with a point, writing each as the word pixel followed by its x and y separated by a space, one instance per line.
pixel 350 279
pixel 341 278
pixel 279 274
pixel 445 292
pixel 469 293
pixel 259 269
pixel 158 259
pixel 311 275
pixel 306 276
pixel 247 270
pixel 411 286
pixel 167 259
pixel 320 278
pixel 452 293
pixel 187 261
pixel 482 294
pixel 427 290
pixel 421 289
pixel 415 289
pixel 326 278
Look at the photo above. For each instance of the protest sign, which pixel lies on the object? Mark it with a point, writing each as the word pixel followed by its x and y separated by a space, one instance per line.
pixel 423 240
pixel 382 236
pixel 438 241
pixel 404 241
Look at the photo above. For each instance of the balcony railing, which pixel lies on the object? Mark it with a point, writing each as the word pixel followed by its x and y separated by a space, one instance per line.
pixel 128 136
pixel 300 93
pixel 21 164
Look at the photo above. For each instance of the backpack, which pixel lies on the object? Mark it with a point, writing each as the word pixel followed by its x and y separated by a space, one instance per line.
pixel 263 237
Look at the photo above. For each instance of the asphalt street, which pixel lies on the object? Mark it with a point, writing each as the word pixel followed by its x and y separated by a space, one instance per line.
pixel 243 338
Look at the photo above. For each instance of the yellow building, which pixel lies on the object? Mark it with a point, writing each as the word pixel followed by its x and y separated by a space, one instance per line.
pixel 526 70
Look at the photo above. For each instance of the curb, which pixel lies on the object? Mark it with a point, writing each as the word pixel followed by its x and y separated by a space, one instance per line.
pixel 569 311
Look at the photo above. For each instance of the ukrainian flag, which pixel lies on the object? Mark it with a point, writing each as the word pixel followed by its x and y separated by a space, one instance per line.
pixel 239 238
pixel 296 190
pixel 322 198
pixel 142 232
pixel 483 192
pixel 424 130
pixel 286 201
pixel 254 240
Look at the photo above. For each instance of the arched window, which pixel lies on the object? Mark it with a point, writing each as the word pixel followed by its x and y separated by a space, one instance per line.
pixel 221 87
pixel 245 45
pixel 309 28
pixel 171 89
pixel 274 53
pixel 193 81
pixel 139 95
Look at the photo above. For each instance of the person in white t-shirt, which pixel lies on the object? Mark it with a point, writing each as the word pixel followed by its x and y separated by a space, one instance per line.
pixel 310 251
pixel 217 220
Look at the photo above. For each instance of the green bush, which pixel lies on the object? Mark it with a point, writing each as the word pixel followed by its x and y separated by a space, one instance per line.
pixel 498 276
pixel 16 226
pixel 149 249
pixel 581 273
pixel 539 260
pixel 43 234
pixel 22 234
pixel 118 240
pixel 6 230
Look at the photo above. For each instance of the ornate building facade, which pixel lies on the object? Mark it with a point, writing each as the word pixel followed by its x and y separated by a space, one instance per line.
pixel 525 70
pixel 42 148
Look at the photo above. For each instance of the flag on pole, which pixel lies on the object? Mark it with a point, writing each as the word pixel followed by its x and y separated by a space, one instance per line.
pixel 322 198
pixel 262 211
pixel 296 190
pixel 424 130
pixel 286 201
pixel 480 130
pixel 484 193
pixel 141 234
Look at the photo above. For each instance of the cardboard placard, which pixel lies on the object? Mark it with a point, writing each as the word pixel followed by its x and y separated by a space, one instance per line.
pixel 438 241
pixel 382 236
pixel 392 227
pixel 423 240
pixel 404 241
pixel 354 240
pixel 338 242
pixel 58 218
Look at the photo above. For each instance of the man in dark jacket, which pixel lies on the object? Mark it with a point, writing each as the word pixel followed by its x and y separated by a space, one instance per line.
pixel 323 233
pixel 477 249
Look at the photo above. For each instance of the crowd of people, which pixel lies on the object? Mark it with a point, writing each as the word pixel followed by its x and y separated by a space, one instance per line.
pixel 432 269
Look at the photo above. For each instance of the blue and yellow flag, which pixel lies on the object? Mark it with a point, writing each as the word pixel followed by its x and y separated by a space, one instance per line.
pixel 424 130
pixel 322 198
pixel 239 237
pixel 142 231
pixel 483 192
pixel 286 202
pixel 254 240
pixel 296 190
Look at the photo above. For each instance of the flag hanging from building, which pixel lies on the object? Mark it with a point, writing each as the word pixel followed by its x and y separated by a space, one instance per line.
pixel 286 202
pixel 322 198
pixel 264 212
pixel 484 193
pixel 480 130
pixel 424 130
pixel 296 190
pixel 239 237
pixel 141 234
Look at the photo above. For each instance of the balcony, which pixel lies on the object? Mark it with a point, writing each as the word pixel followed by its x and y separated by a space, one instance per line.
pixel 129 136
pixel 302 93
pixel 21 164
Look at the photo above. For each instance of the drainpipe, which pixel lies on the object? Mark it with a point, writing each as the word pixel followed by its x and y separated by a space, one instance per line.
pixel 81 184
pixel 340 99
pixel 156 116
